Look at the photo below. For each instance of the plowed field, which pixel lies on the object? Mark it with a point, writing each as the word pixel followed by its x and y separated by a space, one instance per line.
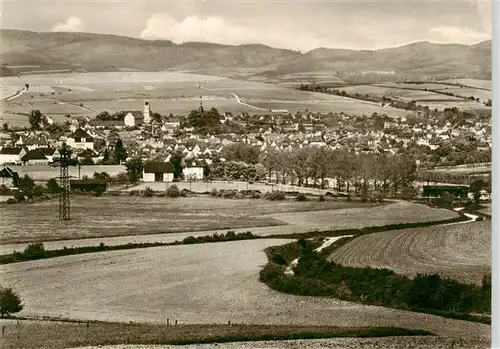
pixel 461 251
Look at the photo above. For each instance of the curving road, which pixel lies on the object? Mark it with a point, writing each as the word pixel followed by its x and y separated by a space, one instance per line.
pixel 17 94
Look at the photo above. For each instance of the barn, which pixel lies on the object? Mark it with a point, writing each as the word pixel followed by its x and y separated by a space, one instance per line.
pixel 88 185
pixel 435 191
pixel 158 172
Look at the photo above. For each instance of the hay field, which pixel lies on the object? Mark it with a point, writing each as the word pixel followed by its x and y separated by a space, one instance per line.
pixel 400 212
pixel 87 94
pixel 485 84
pixel 417 92
pixel 460 251
pixel 337 343
pixel 207 283
pixel 121 216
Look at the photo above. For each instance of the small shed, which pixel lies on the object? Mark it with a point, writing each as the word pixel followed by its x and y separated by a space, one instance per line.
pixel 88 185
pixel 158 172
pixel 435 191
pixel 7 175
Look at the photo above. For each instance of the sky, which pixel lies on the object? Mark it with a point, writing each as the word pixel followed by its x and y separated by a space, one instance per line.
pixel 298 25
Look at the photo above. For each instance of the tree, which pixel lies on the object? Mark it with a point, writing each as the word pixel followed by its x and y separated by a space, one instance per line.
pixel 476 187
pixel 35 119
pixel 5 126
pixel 53 186
pixel 104 176
pixel 134 170
pixel 176 161
pixel 120 154
pixel 105 156
pixel 10 302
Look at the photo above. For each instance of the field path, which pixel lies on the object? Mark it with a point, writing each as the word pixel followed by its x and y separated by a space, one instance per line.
pixel 17 94
pixel 196 284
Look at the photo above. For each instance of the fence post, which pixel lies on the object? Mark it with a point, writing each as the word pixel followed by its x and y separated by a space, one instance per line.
pixel 3 329
pixel 168 322
pixel 229 322
pixel 176 322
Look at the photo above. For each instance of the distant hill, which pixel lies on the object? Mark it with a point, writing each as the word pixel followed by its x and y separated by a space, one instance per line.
pixel 98 52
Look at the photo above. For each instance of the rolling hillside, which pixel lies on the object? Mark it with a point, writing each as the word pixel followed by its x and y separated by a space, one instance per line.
pixel 31 51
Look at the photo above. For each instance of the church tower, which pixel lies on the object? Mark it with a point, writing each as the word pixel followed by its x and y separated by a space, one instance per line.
pixel 147 112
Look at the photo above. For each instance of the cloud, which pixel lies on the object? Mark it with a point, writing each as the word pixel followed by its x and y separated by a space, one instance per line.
pixel 72 24
pixel 193 28
pixel 485 12
pixel 446 34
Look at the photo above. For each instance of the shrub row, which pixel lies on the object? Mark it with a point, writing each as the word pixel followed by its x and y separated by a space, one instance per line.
pixel 315 276
pixel 229 236
pixel 36 251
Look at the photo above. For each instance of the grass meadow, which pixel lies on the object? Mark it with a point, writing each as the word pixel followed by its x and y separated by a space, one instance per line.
pixel 110 216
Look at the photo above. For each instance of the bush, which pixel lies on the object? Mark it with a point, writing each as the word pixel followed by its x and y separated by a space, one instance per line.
pixel 148 192
pixel 99 191
pixel 213 192
pixel 18 196
pixel 275 195
pixel 4 190
pixel 321 198
pixel 34 251
pixel 11 201
pixel 173 191
pixel 133 193
pixel 184 192
pixel 190 240
pixel 300 197
pixel 10 302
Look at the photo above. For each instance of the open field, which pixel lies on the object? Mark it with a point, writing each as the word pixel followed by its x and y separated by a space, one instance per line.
pixel 484 84
pixel 87 94
pixel 486 209
pixel 422 94
pixel 200 187
pixel 401 212
pixel 207 283
pixel 337 343
pixel 48 335
pixel 117 216
pixel 461 251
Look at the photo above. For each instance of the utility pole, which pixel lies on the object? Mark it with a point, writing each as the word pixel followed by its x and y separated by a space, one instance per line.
pixel 64 202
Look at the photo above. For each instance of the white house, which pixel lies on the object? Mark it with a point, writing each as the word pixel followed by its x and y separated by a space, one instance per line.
pixel 12 155
pixel 80 140
pixel 158 172
pixel 193 169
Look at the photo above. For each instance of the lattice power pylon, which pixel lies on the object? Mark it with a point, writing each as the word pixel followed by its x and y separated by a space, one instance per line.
pixel 64 178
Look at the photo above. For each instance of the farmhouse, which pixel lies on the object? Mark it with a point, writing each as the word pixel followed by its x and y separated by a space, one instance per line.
pixel 34 157
pixel 193 170
pixel 12 155
pixel 158 172
pixel 80 140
